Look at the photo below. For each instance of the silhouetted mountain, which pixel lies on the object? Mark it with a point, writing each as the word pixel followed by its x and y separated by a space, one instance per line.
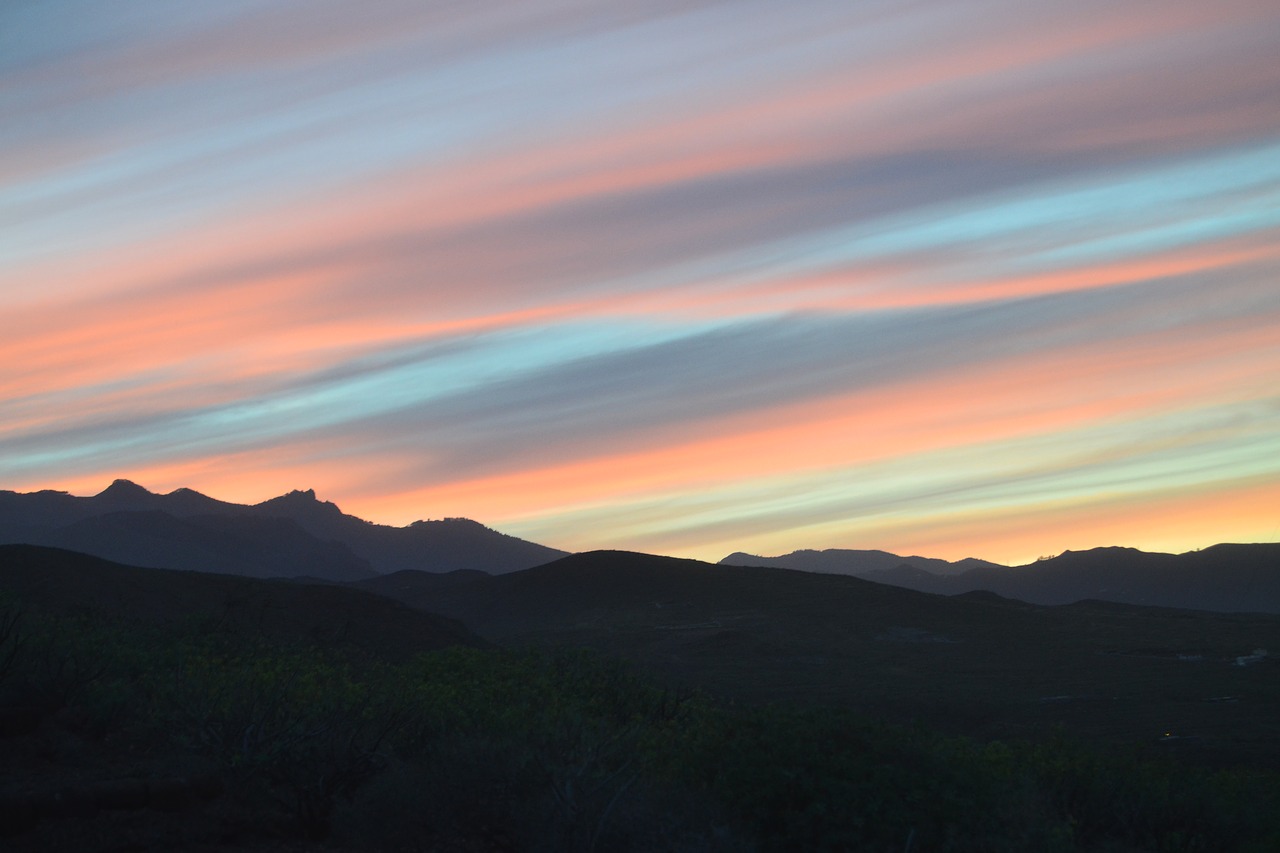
pixel 1244 578
pixel 432 546
pixel 1229 578
pixel 306 509
pixel 231 544
pixel 125 494
pixel 842 561
pixel 46 510
pixel 1224 577
pixel 59 581
pixel 187 530
pixel 185 502
pixel 22 513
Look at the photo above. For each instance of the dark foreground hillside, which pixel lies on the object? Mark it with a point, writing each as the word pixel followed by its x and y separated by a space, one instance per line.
pixel 973 664
pixel 148 711
pixel 80 586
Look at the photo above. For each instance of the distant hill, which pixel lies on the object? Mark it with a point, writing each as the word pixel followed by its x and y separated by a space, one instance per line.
pixel 69 583
pixel 292 535
pixel 1227 578
pixel 617 590
pixel 841 561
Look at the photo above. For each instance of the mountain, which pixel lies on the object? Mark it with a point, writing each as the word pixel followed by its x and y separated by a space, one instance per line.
pixel 841 561
pixel 978 663
pixel 74 584
pixel 291 535
pixel 433 546
pixel 232 544
pixel 1228 578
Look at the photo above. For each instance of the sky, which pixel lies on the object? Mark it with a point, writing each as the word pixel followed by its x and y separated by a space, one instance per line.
pixel 994 279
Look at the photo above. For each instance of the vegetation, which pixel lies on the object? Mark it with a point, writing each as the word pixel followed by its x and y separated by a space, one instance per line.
pixel 150 736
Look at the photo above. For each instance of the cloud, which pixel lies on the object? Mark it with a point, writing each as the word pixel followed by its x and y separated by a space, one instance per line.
pixel 582 253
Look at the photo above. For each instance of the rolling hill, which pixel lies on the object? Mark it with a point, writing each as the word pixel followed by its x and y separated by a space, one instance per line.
pixel 977 664
pixel 73 584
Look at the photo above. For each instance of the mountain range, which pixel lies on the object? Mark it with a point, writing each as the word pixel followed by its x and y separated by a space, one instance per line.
pixel 1227 577
pixel 293 535
pixel 432 626
pixel 843 561
pixel 299 535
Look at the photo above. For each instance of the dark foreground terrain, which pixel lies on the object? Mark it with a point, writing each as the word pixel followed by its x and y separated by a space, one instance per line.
pixel 973 664
pixel 715 708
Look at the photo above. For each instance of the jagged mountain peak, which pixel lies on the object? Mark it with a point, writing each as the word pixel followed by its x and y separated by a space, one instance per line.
pixel 448 522
pixel 302 499
pixel 297 496
pixel 120 488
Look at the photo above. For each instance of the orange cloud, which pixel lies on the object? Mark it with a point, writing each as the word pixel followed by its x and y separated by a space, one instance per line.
pixel 1051 393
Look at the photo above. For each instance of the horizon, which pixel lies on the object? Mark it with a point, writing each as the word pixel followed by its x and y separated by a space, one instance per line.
pixel 905 553
pixel 993 280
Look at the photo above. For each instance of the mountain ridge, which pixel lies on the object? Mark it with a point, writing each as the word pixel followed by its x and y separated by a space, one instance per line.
pixel 314 537
pixel 1227 577
pixel 854 562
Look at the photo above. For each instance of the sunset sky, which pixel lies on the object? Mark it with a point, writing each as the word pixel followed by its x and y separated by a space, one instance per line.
pixel 991 279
